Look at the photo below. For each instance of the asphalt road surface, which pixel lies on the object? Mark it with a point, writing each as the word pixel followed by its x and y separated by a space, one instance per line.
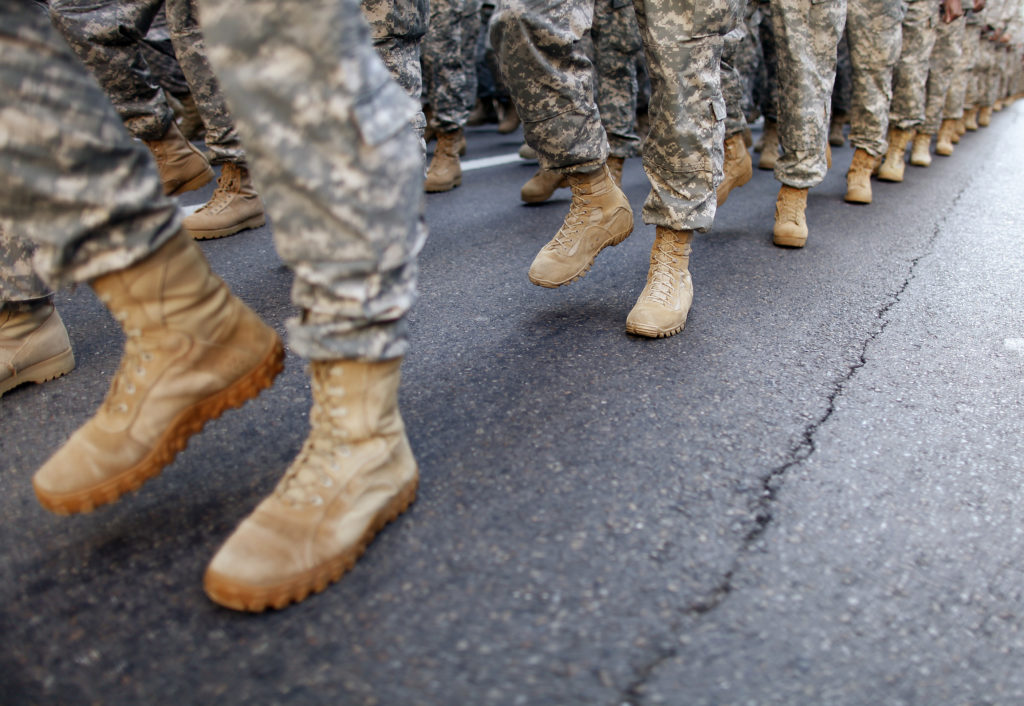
pixel 812 495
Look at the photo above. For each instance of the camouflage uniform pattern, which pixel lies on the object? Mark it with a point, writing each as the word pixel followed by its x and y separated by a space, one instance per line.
pixel 768 87
pixel 745 57
pixel 18 279
pixel 449 61
pixel 158 51
pixel 616 39
pixel 108 35
pixel 949 39
pixel 874 29
pixel 551 82
pixel 959 96
pixel 106 213
pixel 328 135
pixel 397 28
pixel 732 82
pixel 842 89
pixel 911 76
pixel 806 34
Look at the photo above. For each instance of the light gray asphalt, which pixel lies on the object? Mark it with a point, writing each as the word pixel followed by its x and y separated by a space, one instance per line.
pixel 809 496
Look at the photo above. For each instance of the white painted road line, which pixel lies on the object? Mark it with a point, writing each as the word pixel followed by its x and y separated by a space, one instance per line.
pixel 471 164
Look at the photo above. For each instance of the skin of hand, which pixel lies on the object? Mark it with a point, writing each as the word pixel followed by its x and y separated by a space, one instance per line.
pixel 951 10
pixel 979 5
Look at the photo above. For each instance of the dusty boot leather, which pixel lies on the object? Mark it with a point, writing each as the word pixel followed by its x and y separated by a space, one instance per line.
pixel 234 206
pixel 445 171
pixel 34 345
pixel 893 165
pixel 599 216
pixel 182 167
pixel 858 178
pixel 542 186
pixel 737 169
pixel 354 474
pixel 790 217
pixel 665 301
pixel 192 351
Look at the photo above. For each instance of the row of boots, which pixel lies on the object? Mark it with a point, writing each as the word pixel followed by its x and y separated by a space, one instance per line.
pixel 234 206
pixel 192 351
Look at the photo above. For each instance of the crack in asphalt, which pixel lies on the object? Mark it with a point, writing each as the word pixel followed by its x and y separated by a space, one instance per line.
pixel 800 452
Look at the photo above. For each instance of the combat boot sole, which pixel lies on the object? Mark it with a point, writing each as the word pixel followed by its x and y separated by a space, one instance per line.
pixel 188 422
pixel 209 234
pixel 611 241
pixel 654 331
pixel 441 187
pixel 256 599
pixel 43 371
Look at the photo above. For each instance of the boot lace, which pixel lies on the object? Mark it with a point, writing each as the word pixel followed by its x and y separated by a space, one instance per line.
pixel 566 236
pixel 132 371
pixel 228 185
pixel 318 464
pixel 790 210
pixel 664 268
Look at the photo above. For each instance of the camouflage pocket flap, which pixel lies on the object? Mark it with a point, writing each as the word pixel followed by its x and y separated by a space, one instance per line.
pixel 381 113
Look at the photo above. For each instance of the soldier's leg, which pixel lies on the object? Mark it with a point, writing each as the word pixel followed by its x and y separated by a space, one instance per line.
pixel 806 35
pixel 683 154
pixel 88 196
pixel 452 81
pixel 107 36
pixel 234 206
pixel 343 181
pixel 551 82
pixel 942 71
pixel 906 112
pixel 874 29
pixel 34 345
pixel 617 42
pixel 397 28
pixel 769 144
pixel 737 168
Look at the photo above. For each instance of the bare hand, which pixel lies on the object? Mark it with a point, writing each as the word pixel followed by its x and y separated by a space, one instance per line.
pixel 951 10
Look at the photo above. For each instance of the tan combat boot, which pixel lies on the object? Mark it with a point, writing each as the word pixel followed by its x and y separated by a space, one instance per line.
pixel 665 300
pixel 836 138
pixel 34 346
pixel 542 185
pixel 971 119
pixel 858 179
pixel 769 146
pixel 192 351
pixel 737 169
pixel 615 166
pixel 192 126
pixel 920 153
pixel 509 119
pixel 790 218
pixel 234 206
pixel 354 474
pixel 445 171
pixel 528 153
pixel 599 216
pixel 947 136
pixel 893 165
pixel 182 167
pixel 985 116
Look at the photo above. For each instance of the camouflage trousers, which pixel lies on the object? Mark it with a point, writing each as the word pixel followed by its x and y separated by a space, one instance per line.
pixel 874 29
pixel 397 28
pixel 768 87
pixel 449 61
pixel 158 51
pixel 18 279
pixel 108 35
pixel 970 58
pixel 910 79
pixel 943 66
pixel 551 82
pixel 956 97
pixel 732 82
pixel 806 34
pixel 331 144
pixel 842 88
pixel 617 44
pixel 985 68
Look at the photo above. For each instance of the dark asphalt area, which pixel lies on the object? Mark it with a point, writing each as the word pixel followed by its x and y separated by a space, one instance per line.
pixel 810 496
